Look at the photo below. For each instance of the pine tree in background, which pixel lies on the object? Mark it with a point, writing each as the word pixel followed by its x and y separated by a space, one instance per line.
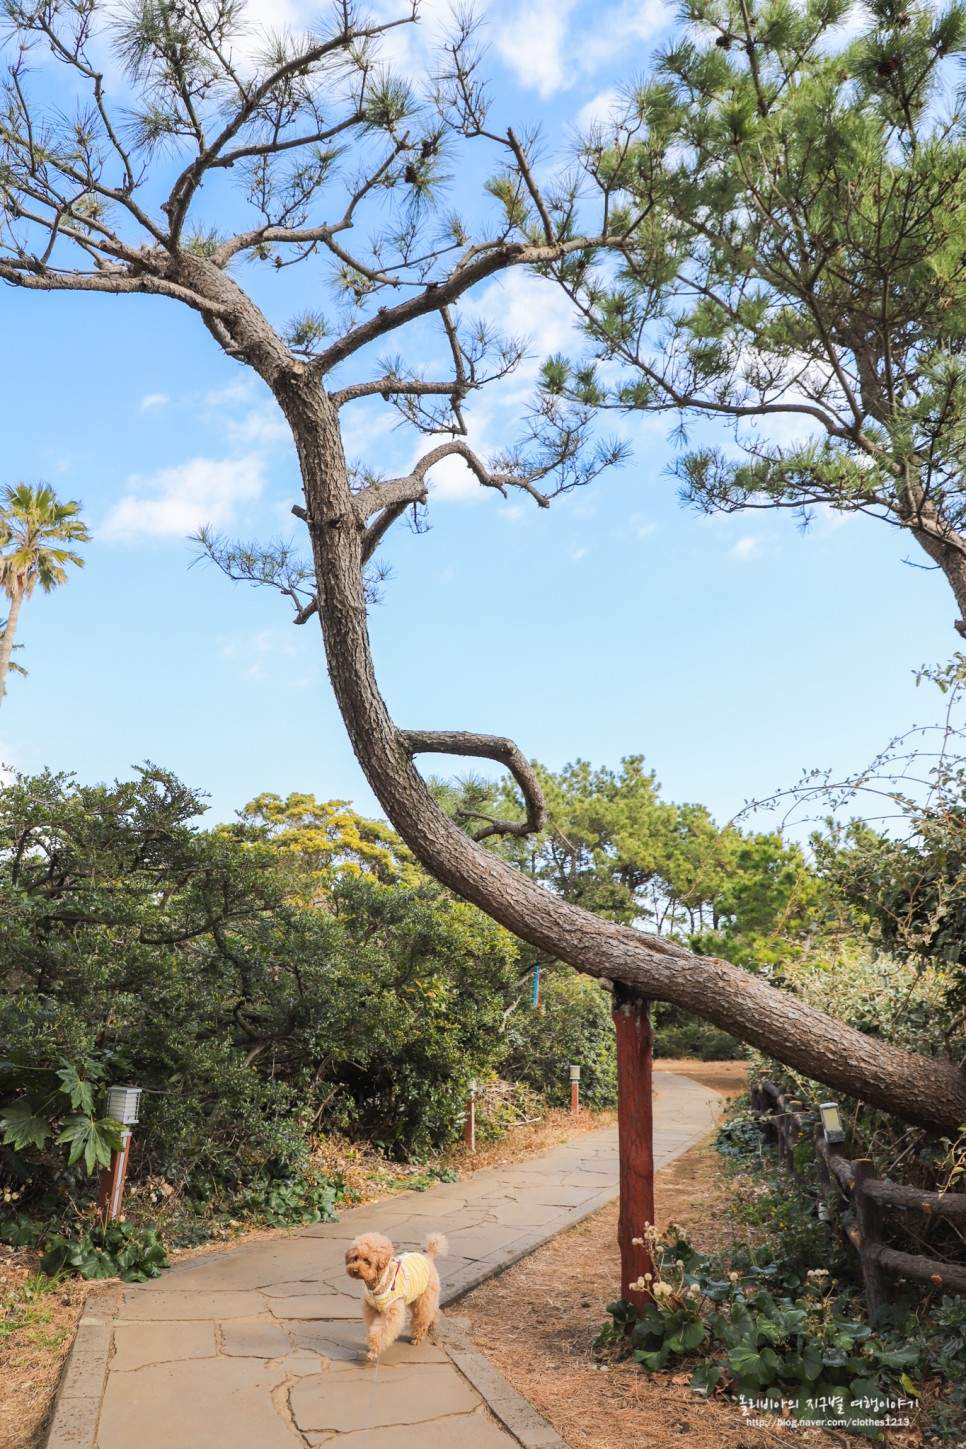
pixel 799 278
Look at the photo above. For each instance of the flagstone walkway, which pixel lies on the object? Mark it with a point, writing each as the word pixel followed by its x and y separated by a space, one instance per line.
pixel 261 1346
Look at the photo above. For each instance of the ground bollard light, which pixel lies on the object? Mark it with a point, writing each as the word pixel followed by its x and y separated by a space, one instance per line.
pixel 575 1089
pixel 832 1124
pixel 123 1105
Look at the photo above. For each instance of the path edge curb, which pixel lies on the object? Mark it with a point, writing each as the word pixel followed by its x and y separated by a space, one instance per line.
pixel 515 1413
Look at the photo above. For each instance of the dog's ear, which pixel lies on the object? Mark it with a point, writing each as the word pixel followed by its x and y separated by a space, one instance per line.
pixel 381 1253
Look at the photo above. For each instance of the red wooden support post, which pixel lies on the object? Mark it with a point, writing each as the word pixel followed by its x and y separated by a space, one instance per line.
pixel 575 1089
pixel 635 1128
pixel 112 1182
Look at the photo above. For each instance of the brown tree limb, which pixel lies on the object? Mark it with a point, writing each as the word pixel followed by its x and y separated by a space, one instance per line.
pixel 488 747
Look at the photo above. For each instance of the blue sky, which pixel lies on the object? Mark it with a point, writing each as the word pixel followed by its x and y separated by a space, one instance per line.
pixel 731 652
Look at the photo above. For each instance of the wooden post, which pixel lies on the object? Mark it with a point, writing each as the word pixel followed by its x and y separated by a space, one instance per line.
pixel 112 1181
pixel 469 1125
pixel 635 1119
pixel 575 1089
pixel 869 1241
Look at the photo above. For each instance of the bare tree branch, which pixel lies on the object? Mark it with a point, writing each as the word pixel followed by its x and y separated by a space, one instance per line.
pixel 488 747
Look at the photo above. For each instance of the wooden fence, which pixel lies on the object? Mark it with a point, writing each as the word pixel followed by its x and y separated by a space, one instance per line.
pixel 784 1120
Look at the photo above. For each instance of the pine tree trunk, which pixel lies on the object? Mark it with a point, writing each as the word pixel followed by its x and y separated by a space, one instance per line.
pixel 917 1089
pixel 6 643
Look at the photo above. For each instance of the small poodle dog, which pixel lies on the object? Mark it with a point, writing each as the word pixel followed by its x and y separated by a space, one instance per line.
pixel 392 1281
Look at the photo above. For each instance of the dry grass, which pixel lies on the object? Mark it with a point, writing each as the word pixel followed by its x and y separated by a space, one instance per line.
pixel 38 1318
pixel 528 1140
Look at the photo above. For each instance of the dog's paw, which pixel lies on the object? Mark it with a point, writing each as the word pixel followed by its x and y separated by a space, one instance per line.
pixel 372 1355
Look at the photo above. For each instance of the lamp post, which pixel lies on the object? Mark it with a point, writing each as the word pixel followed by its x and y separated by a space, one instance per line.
pixel 122 1105
pixel 469 1125
pixel 575 1089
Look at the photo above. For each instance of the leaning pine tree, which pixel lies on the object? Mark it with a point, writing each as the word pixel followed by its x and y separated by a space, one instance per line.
pixel 327 144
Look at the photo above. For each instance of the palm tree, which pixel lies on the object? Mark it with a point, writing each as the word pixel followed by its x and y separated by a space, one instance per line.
pixel 32 522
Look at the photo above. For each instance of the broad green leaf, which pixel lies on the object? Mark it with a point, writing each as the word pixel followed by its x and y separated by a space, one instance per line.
pixel 94 1141
pixel 22 1127
pixel 746 1363
pixel 706 1377
pixel 81 1093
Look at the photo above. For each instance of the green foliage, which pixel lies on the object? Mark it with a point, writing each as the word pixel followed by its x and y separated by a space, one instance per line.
pixel 290 1202
pixel 324 840
pixel 768 1340
pixel 796 196
pixel 33 523
pixel 572 1024
pixel 43 1113
pixel 118 1250
pixel 678 1034
pixel 257 984
pixel 615 847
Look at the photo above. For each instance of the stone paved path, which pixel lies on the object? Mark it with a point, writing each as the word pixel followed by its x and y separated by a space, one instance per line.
pixel 261 1346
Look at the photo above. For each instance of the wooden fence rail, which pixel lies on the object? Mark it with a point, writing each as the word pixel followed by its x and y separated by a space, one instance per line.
pixel 784 1120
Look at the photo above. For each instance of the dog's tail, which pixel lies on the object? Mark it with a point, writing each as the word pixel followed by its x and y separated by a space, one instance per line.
pixel 436 1245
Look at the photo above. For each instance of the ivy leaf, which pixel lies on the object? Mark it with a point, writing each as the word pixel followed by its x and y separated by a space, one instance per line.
pixel 81 1093
pixel 93 1140
pixel 22 1127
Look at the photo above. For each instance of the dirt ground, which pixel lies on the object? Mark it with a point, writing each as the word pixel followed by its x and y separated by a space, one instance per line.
pixel 538 1321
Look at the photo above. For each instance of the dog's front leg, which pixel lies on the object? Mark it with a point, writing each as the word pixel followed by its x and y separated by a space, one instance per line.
pixel 373 1325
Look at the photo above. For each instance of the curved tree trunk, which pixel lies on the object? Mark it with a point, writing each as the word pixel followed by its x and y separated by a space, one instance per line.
pixel 917 1089
pixel 6 642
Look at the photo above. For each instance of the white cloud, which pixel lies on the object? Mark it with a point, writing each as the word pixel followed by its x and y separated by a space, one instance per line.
pixel 528 307
pixel 534 43
pixel 174 501
pixel 263 425
pixel 255 652
pixel 154 401
pixel 550 45
pixel 598 110
pixel 577 554
pixel 746 548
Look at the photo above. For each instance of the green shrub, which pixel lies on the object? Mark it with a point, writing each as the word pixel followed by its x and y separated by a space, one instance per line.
pixel 678 1035
pixel 572 1025
pixel 768 1347
pixel 119 1250
pixel 290 1202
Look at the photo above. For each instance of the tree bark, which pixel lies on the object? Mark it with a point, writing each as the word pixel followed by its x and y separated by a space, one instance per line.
pixel 6 643
pixel 635 1127
pixel 947 549
pixel 921 1090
